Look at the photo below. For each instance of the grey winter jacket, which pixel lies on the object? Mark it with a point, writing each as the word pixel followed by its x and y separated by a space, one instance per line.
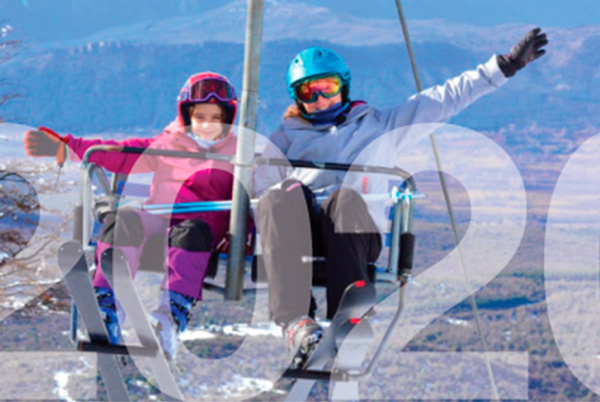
pixel 296 138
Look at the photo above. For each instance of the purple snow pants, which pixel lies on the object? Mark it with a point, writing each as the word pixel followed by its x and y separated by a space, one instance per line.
pixel 188 244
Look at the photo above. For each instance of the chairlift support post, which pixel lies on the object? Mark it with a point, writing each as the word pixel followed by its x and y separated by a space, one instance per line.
pixel 234 280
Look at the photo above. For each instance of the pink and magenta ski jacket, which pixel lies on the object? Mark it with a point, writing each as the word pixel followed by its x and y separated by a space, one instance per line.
pixel 175 180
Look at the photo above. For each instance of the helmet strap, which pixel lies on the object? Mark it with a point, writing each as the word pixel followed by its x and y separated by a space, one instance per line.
pixel 345 94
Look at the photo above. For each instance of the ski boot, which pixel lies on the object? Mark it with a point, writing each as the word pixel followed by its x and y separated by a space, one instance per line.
pixel 171 318
pixel 108 311
pixel 302 334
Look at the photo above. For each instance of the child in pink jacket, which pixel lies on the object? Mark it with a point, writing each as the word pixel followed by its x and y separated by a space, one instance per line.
pixel 206 108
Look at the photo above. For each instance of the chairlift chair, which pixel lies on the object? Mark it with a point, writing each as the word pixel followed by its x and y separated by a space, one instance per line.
pixel 398 270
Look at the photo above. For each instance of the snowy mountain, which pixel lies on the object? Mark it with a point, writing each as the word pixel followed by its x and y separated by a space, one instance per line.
pixel 293 21
pixel 47 21
pixel 126 77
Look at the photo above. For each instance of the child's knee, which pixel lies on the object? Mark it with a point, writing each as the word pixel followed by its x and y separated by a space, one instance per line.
pixel 123 229
pixel 191 235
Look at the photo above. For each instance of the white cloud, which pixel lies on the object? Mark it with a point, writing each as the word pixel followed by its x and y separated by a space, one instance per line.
pixel 562 87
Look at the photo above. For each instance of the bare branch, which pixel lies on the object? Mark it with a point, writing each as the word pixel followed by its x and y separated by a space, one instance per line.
pixel 9 48
pixel 35 253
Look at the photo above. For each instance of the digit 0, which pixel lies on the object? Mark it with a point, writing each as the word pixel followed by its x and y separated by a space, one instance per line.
pixel 571 263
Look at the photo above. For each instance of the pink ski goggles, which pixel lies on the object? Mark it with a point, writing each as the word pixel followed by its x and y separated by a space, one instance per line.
pixel 203 90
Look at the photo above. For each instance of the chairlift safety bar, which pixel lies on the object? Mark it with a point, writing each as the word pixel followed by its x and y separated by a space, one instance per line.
pixel 403 198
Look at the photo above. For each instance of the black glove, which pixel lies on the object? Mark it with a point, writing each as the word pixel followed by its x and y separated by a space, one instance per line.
pixel 526 51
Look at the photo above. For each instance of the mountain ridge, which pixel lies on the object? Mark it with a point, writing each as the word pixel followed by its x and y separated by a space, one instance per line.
pixel 132 73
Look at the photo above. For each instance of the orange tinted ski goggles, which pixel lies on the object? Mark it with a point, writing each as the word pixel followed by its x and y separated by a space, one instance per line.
pixel 308 91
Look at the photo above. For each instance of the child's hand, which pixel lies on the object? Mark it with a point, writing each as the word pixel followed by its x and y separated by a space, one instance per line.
pixel 526 51
pixel 45 142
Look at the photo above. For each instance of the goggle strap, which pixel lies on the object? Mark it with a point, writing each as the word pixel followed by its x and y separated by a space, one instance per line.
pixel 204 90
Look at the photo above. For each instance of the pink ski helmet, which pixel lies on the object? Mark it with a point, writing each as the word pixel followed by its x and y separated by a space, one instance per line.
pixel 207 87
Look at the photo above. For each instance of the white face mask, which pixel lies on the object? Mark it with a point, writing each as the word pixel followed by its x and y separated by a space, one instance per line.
pixel 204 143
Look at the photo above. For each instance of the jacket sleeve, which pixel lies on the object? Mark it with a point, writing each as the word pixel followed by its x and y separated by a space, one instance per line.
pixel 113 161
pixel 266 176
pixel 439 103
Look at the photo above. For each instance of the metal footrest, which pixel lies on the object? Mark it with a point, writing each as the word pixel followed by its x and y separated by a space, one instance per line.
pixel 132 350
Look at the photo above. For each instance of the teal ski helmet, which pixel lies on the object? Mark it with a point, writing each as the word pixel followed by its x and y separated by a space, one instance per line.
pixel 317 61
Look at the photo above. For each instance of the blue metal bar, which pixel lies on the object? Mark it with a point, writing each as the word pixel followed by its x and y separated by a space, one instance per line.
pixel 207 206
pixel 202 205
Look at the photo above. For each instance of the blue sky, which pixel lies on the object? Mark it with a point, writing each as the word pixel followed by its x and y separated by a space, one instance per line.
pixel 59 20
pixel 545 13
pixel 557 13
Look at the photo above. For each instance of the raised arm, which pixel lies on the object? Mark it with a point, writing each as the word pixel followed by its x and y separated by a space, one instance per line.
pixel 46 142
pixel 440 103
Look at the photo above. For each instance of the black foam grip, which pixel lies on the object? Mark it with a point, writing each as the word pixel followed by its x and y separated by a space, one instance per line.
pixel 407 249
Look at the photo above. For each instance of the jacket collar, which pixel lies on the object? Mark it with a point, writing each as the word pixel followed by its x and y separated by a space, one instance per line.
pixel 175 133
pixel 357 110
